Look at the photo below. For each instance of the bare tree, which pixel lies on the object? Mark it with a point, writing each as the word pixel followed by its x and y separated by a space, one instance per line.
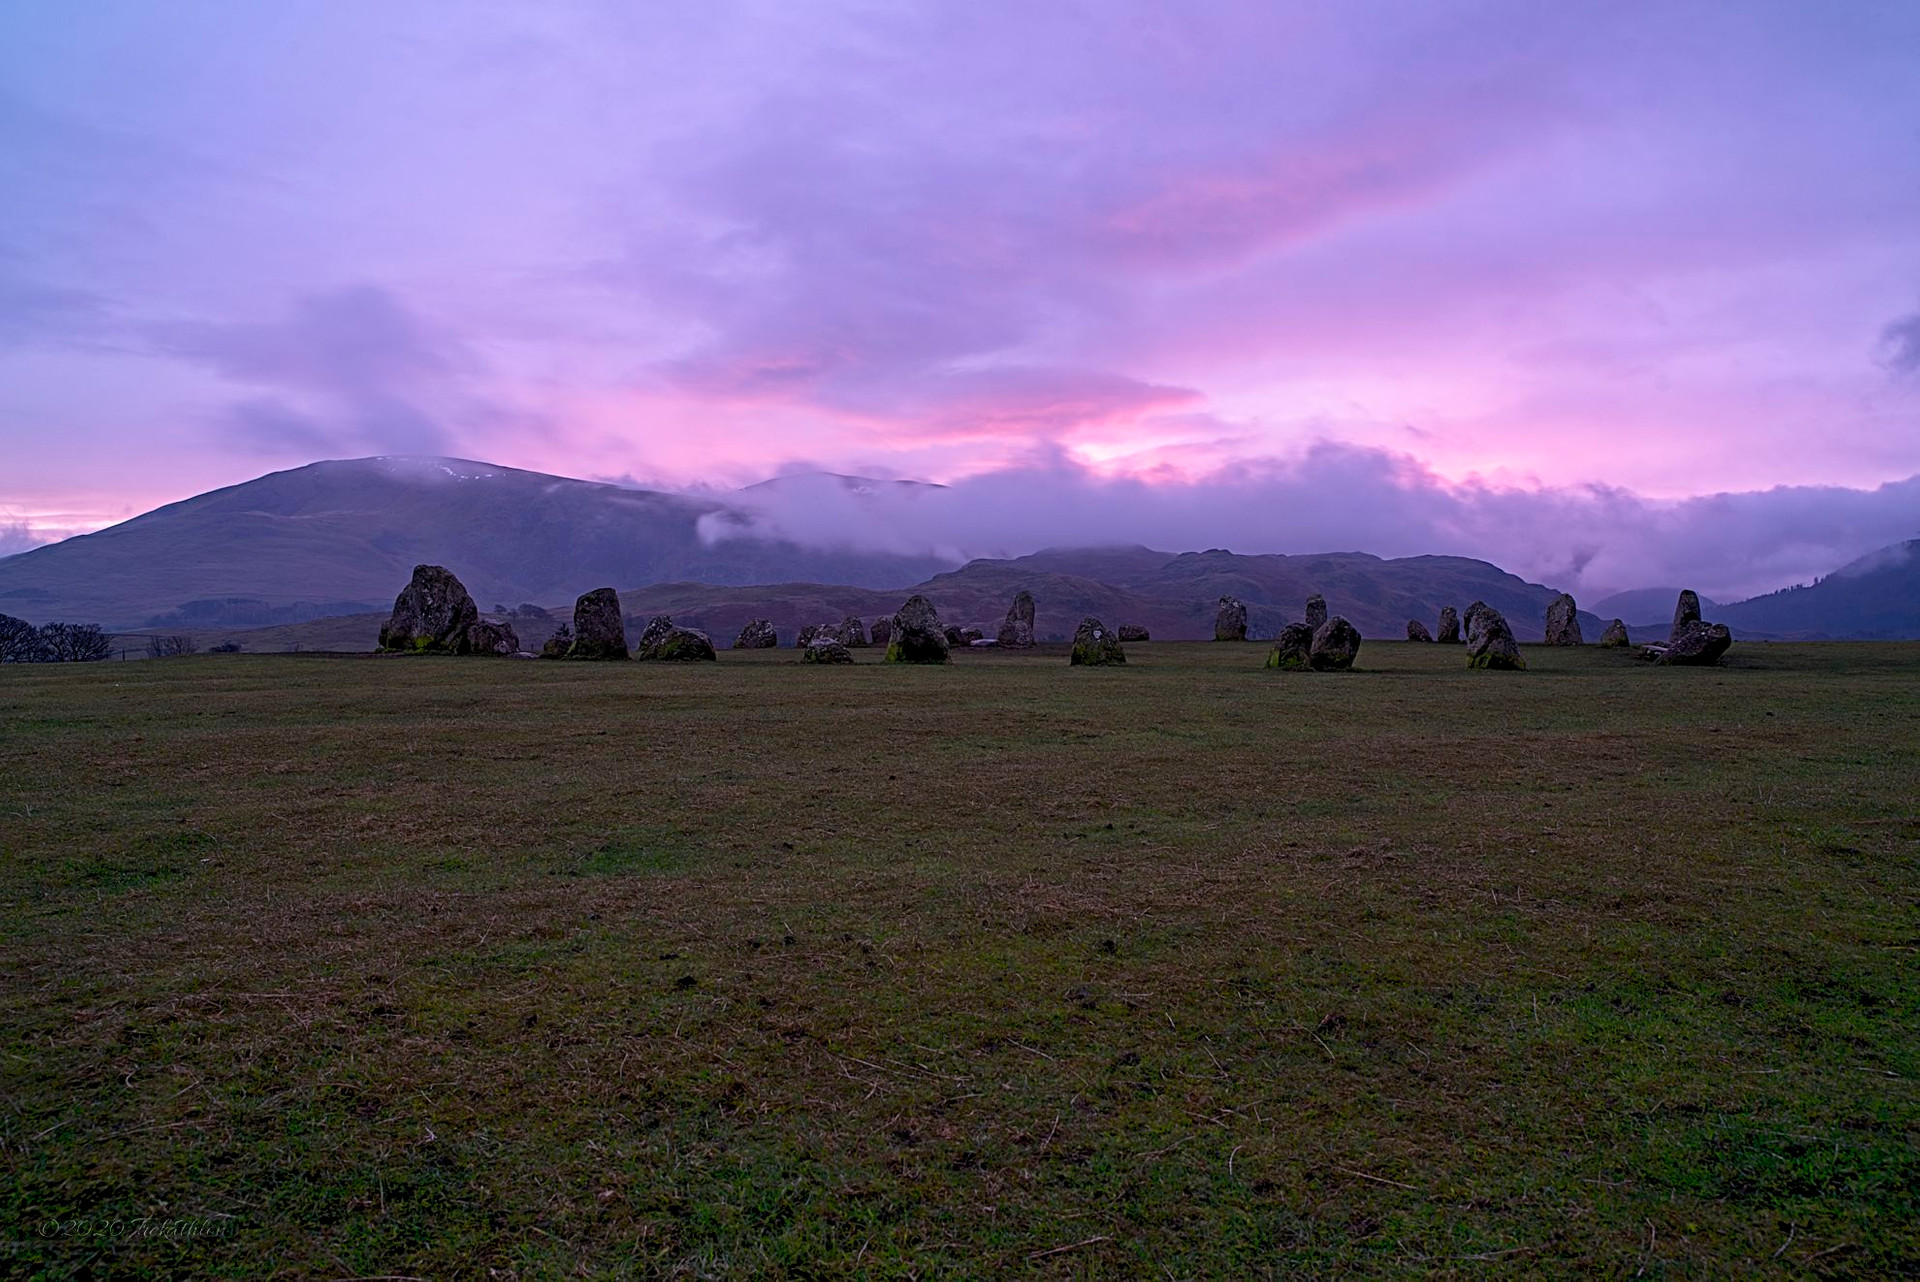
pixel 20 641
pixel 170 647
pixel 75 642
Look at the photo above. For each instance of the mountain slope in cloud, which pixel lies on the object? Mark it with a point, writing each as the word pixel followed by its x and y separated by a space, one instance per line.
pixel 1876 597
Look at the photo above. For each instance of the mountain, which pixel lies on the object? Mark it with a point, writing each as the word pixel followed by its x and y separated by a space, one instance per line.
pixel 338 537
pixel 1648 607
pixel 1874 598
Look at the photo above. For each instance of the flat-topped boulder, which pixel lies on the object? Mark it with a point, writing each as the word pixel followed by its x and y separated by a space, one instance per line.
pixel 826 649
pixel 1490 642
pixel 1095 644
pixel 1230 620
pixel 916 635
pixel 1291 649
pixel 1417 631
pixel 1615 637
pixel 1316 611
pixel 490 636
pixel 1449 626
pixel 1133 632
pixel 598 630
pixel 1563 621
pixel 1016 630
pixel 1334 645
pixel 683 645
pixel 1697 645
pixel 757 635
pixel 432 613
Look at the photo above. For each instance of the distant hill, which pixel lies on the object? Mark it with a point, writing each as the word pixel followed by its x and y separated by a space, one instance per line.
pixel 1874 598
pixel 1647 607
pixel 340 537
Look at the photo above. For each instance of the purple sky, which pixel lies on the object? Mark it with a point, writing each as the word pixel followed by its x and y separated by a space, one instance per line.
pixel 1509 279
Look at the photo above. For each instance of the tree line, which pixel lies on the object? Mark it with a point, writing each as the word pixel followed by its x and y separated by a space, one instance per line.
pixel 22 642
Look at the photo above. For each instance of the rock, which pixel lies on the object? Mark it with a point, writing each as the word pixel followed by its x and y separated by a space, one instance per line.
pixel 1449 625
pixel 968 636
pixel 952 633
pixel 1016 630
pixel 826 649
pixel 984 643
pixel 805 636
pixel 1697 645
pixel 916 635
pixel 1291 648
pixel 1316 612
pixel 881 630
pixel 1417 631
pixel 1133 632
pixel 851 632
pixel 1490 642
pixel 1095 644
pixel 598 630
pixel 1563 621
pixel 683 645
pixel 1466 620
pixel 1686 611
pixel 1230 620
pixel 757 635
pixel 652 635
pixel 433 612
pixel 1334 646
pixel 484 636
pixel 558 644
pixel 1615 637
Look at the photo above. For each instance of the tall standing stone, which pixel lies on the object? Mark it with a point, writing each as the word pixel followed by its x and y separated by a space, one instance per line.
pixel 1094 644
pixel 1490 642
pixel 598 631
pixel 433 612
pixel 916 635
pixel 1016 630
pixel 1316 612
pixel 1230 620
pixel 1563 621
pixel 1449 625
pixel 1686 611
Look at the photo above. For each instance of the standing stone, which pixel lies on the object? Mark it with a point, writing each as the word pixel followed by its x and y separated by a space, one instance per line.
pixel 1563 621
pixel 1697 644
pixel 1615 637
pixel 952 633
pixel 1095 644
pixel 1316 612
pixel 881 630
pixel 1466 620
pixel 683 645
pixel 1016 631
pixel 1133 632
pixel 805 636
pixel 1417 631
pixel 1490 642
pixel 1334 646
pixel 1230 620
pixel 825 649
pixel 916 635
pixel 598 631
pixel 652 635
pixel 1686 611
pixel 757 635
pixel 1449 625
pixel 559 643
pixel 1291 648
pixel 433 612
pixel 484 636
pixel 851 632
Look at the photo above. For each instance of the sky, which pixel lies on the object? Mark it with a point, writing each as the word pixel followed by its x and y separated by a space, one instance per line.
pixel 1607 291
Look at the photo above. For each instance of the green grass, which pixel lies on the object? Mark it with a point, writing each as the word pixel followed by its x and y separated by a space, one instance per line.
pixel 431 966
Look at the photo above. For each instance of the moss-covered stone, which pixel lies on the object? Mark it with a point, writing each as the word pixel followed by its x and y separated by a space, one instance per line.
pixel 1291 648
pixel 1095 645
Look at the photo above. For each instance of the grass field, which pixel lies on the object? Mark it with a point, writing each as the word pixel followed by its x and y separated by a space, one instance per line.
pixel 333 967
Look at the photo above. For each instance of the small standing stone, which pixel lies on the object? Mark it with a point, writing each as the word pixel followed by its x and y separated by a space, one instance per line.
pixel 652 635
pixel 1316 612
pixel 1449 625
pixel 1133 632
pixel 1334 646
pixel 1230 620
pixel 757 635
pixel 1563 621
pixel 1094 644
pixel 1291 648
pixel 1615 637
pixel 882 629
pixel 684 645
pixel 1417 631
pixel 1490 642
pixel 485 636
pixel 851 632
pixel 825 649
pixel 559 643
pixel 1016 630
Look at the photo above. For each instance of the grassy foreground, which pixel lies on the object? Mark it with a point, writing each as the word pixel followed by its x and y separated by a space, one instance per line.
pixel 334 967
